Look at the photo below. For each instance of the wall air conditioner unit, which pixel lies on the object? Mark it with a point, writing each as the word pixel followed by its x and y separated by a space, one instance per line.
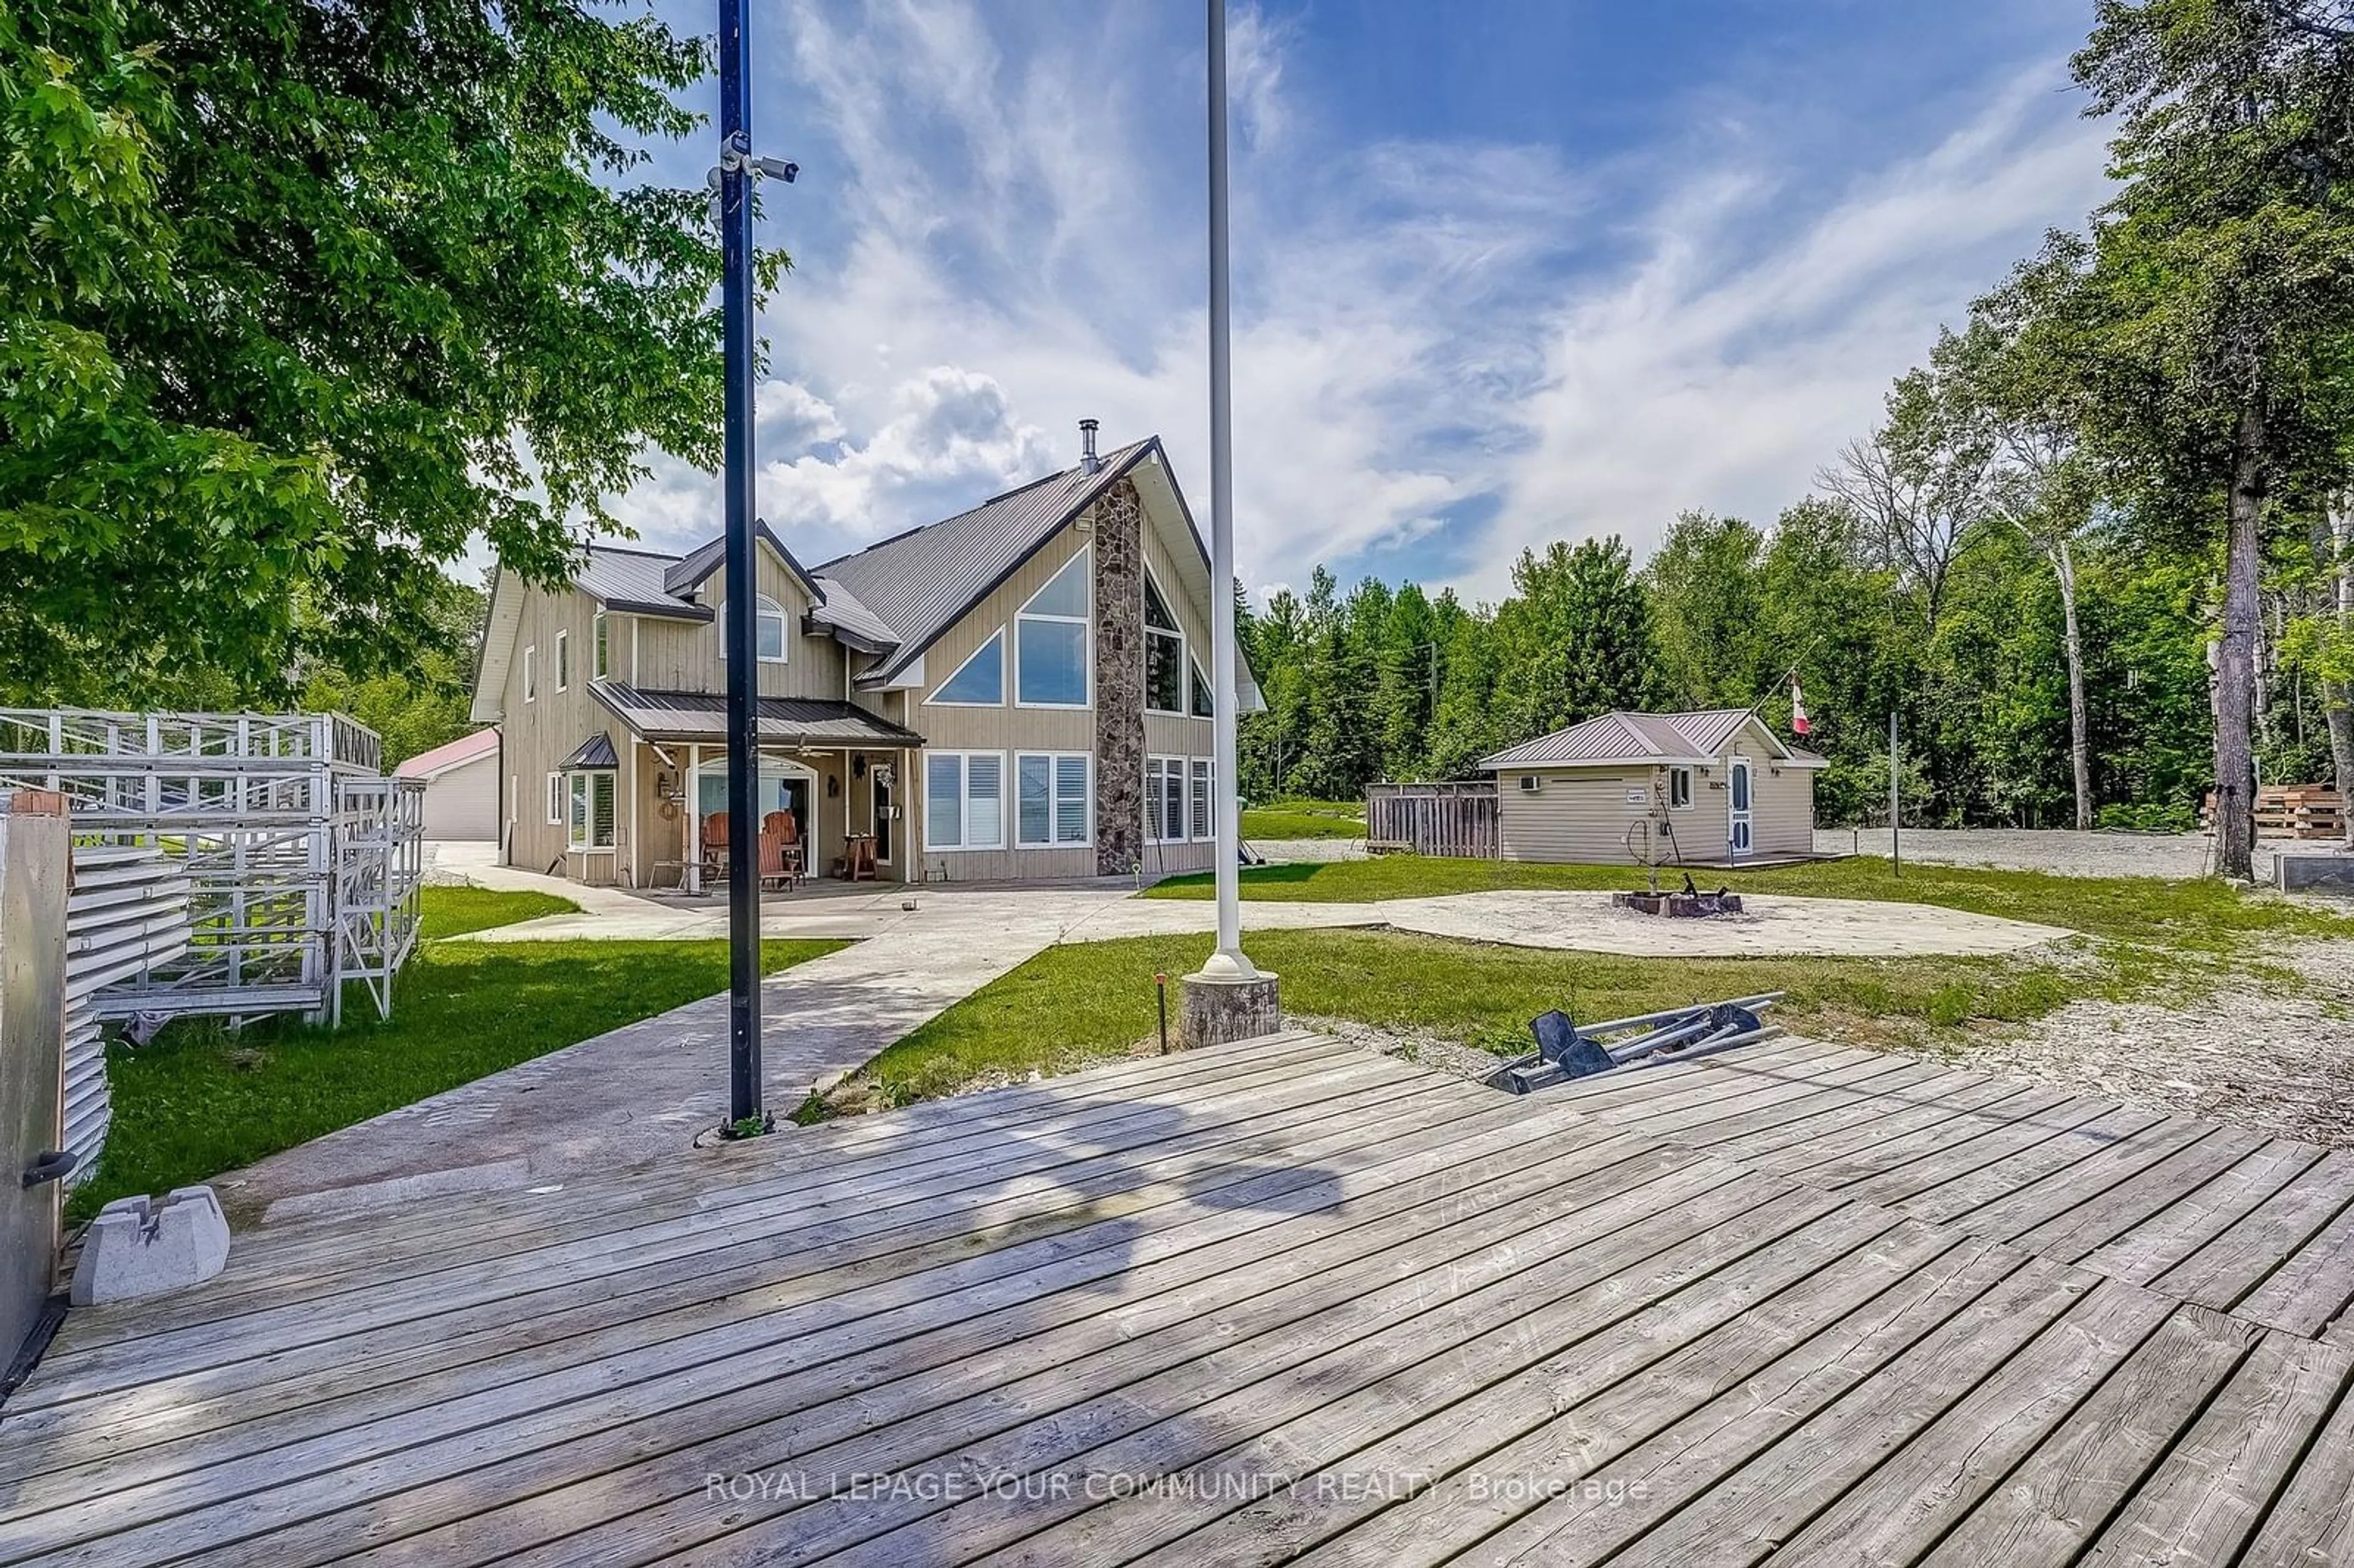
pixel 1530 783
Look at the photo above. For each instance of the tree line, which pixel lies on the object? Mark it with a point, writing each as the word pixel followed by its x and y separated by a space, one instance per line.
pixel 2097 558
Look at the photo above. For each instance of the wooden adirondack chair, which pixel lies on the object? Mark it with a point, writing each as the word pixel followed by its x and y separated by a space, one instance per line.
pixel 780 849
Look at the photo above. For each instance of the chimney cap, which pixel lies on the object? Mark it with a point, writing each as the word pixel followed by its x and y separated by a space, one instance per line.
pixel 1089 461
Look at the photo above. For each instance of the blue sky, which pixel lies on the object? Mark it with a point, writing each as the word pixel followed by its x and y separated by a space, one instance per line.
pixel 1506 271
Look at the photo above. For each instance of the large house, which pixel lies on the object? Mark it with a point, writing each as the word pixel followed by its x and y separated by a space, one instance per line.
pixel 1019 692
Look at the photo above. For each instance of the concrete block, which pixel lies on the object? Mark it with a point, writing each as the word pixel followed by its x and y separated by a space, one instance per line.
pixel 1218 1009
pixel 2328 874
pixel 136 1247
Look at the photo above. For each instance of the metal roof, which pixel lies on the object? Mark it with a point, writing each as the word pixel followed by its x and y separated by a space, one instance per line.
pixel 597 751
pixel 852 622
pixel 633 580
pixel 466 748
pixel 1630 737
pixel 689 570
pixel 920 583
pixel 703 716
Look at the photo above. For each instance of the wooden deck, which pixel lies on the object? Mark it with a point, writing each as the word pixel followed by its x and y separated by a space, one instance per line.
pixel 1278 1301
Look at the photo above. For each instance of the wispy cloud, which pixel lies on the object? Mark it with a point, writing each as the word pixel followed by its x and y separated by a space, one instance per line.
pixel 1446 348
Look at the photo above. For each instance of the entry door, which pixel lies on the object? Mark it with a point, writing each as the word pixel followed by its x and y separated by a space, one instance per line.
pixel 1736 825
pixel 881 793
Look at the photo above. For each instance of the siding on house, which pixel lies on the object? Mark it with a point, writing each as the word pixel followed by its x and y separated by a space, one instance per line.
pixel 540 733
pixel 1009 729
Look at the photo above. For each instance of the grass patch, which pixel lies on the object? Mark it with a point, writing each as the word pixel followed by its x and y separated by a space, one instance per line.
pixel 200 1101
pixel 1301 818
pixel 454 911
pixel 1083 1003
pixel 2206 915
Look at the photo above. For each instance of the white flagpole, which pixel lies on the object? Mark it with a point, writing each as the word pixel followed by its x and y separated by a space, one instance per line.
pixel 1228 963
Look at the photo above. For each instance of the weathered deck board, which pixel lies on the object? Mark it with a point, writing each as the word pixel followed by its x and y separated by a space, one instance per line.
pixel 1301 1303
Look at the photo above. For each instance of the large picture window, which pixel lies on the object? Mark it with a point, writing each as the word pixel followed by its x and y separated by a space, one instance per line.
pixel 980 681
pixel 964 799
pixel 1164 654
pixel 589 815
pixel 768 630
pixel 1051 796
pixel 1050 639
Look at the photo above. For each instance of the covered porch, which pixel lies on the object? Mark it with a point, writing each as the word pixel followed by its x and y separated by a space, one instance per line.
pixel 839 774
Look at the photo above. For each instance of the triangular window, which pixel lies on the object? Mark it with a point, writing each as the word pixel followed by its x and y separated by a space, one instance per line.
pixel 980 681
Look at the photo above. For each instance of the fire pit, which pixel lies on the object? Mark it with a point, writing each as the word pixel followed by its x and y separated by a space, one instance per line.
pixel 1690 904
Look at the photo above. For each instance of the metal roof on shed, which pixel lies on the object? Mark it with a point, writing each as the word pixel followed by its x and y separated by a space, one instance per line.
pixel 1625 738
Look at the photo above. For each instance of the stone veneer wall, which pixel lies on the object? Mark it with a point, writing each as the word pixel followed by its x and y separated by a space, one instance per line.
pixel 1119 681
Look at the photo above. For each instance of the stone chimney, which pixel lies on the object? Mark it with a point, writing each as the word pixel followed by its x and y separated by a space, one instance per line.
pixel 1089 461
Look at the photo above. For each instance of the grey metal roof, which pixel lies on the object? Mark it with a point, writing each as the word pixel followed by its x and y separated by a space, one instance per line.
pixel 852 622
pixel 703 716
pixel 1629 737
pixel 688 572
pixel 920 582
pixel 632 580
pixel 597 751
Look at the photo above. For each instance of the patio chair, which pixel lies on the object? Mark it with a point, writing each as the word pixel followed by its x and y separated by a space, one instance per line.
pixel 713 851
pixel 780 849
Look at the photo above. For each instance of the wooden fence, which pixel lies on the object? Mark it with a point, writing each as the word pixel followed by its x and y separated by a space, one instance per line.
pixel 1453 820
pixel 2290 812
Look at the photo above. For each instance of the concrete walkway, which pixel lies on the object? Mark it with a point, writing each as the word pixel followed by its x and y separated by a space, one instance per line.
pixel 643 1091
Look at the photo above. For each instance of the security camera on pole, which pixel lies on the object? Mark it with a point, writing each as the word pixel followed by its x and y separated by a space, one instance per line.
pixel 1229 999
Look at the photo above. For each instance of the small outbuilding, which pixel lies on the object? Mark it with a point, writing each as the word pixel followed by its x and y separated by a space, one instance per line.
pixel 461 786
pixel 1715 787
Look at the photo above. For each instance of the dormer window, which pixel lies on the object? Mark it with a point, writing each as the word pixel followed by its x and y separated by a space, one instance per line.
pixel 768 634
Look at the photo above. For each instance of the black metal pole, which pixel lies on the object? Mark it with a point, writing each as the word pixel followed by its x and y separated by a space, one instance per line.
pixel 743 598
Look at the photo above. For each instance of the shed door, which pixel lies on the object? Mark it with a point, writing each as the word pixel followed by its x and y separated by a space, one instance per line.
pixel 1736 826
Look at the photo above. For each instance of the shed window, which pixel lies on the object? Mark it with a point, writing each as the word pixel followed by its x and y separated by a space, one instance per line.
pixel 1679 787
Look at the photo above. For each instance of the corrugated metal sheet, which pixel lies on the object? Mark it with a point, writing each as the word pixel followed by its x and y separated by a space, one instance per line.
pixel 129 909
pixel 1627 737
pixel 703 716
pixel 844 611
pixel 920 582
pixel 597 751
pixel 633 579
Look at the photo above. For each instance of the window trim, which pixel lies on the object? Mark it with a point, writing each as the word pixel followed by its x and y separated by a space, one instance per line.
pixel 1152 583
pixel 563 662
pixel 763 604
pixel 964 802
pixel 531 672
pixel 1054 759
pixel 601 647
pixel 1679 775
pixel 996 638
pixel 588 777
pixel 1157 799
pixel 1087 624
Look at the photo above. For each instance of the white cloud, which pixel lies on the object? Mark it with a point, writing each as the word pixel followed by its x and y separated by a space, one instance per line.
pixel 1444 351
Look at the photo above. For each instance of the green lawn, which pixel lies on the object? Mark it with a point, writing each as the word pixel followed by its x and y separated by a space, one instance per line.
pixel 1073 1004
pixel 1085 1001
pixel 2207 914
pixel 1305 819
pixel 200 1101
